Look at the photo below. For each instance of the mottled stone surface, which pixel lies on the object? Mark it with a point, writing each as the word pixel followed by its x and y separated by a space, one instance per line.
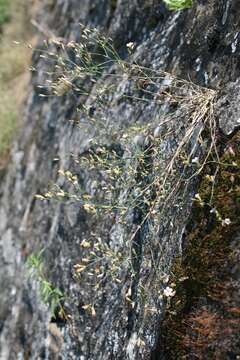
pixel 200 44
pixel 228 108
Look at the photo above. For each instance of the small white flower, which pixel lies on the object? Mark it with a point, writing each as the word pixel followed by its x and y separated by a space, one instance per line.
pixel 226 222
pixel 195 160
pixel 165 279
pixel 210 178
pixel 169 292
pixel 130 45
pixel 198 197
pixel 85 244
pixel 140 342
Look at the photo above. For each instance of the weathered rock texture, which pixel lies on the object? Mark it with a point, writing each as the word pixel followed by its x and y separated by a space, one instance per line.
pixel 201 45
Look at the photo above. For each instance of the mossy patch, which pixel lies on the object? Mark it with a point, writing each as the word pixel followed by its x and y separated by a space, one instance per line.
pixel 203 321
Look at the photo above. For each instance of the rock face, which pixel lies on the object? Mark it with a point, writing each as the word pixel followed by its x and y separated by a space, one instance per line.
pixel 121 318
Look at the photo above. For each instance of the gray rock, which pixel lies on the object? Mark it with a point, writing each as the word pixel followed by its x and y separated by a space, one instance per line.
pixel 228 108
pixel 121 329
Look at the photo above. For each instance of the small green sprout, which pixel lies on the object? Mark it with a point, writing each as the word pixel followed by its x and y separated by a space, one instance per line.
pixel 50 295
pixel 178 4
